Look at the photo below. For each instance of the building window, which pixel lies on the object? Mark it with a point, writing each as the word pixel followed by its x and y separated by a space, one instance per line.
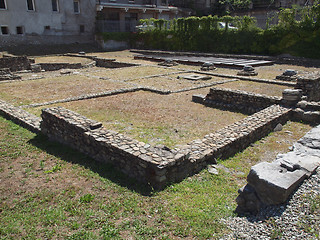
pixel 19 30
pixel 30 5
pixel 46 27
pixel 4 30
pixel 76 6
pixel 3 4
pixel 55 5
pixel 81 28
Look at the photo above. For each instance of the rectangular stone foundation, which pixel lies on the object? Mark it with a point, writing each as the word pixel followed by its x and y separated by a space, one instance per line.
pixel 153 165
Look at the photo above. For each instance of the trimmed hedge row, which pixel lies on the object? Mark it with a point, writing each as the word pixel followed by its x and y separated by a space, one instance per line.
pixel 300 38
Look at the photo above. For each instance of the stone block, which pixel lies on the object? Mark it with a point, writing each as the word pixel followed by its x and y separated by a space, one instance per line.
pixel 274 183
pixel 198 98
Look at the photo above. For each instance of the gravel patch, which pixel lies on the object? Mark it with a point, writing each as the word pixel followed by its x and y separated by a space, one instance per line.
pixel 299 218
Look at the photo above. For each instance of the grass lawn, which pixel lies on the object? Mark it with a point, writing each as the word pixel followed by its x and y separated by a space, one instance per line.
pixel 53 88
pixel 50 191
pixel 153 118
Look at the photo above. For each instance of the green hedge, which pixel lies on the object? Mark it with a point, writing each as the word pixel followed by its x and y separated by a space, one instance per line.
pixel 300 38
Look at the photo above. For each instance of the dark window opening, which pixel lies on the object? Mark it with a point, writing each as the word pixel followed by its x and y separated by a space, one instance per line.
pixel 3 4
pixel 46 27
pixel 113 16
pixel 55 5
pixel 19 30
pixel 82 28
pixel 30 5
pixel 76 6
pixel 4 30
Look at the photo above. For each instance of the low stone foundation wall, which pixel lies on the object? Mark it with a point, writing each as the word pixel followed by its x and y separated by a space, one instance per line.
pixel 58 66
pixel 111 63
pixel 20 116
pixel 310 85
pixel 6 74
pixel 15 63
pixel 136 159
pixel 157 166
pixel 239 100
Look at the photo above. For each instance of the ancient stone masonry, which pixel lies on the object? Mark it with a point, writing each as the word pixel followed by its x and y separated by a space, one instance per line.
pixel 272 183
pixel 288 75
pixel 239 100
pixel 226 141
pixel 20 116
pixel 310 85
pixel 111 63
pixel 15 63
pixel 58 66
pixel 283 83
pixel 156 165
pixel 80 56
pixel 136 159
pixel 6 74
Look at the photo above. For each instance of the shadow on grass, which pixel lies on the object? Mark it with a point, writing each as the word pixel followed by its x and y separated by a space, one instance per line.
pixel 105 170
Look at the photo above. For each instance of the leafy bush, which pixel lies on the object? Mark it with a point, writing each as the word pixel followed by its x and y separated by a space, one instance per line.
pixel 299 38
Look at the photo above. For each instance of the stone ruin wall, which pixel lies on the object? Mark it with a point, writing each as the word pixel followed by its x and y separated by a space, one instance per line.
pixel 155 165
pixel 58 66
pixel 15 63
pixel 239 100
pixel 111 63
pixel 310 86
pixel 20 117
pixel 148 164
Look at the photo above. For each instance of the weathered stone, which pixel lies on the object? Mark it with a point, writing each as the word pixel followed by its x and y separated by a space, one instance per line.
pixel 290 72
pixel 207 66
pixel 195 77
pixel 273 183
pixel 213 170
pixel 292 95
pixel 198 98
pixel 278 128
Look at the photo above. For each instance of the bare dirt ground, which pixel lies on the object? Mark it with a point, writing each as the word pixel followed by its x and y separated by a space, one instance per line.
pixel 61 59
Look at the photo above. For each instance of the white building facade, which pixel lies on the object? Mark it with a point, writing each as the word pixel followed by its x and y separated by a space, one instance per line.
pixel 46 21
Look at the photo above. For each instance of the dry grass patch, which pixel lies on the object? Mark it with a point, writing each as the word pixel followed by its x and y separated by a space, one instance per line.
pixel 121 56
pixel 270 72
pixel 171 82
pixel 167 119
pixel 255 87
pixel 62 59
pixel 36 91
pixel 128 73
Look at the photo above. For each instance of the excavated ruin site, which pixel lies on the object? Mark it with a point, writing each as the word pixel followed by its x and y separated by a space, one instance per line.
pixel 160 117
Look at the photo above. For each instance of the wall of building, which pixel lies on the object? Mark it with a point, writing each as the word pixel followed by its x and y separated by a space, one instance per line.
pixel 43 21
pixel 123 15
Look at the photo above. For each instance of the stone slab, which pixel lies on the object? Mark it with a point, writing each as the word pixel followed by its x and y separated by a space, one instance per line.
pixel 273 183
